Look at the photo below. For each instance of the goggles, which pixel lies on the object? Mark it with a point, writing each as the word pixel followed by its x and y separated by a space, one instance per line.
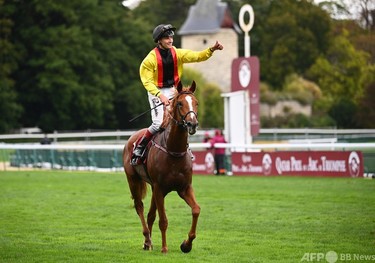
pixel 168 33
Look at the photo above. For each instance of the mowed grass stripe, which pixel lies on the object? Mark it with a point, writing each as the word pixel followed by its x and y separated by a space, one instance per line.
pixel 57 216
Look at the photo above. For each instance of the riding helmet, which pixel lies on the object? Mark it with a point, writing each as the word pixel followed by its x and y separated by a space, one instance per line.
pixel 163 30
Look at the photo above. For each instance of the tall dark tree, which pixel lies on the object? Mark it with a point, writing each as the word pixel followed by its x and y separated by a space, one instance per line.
pixel 76 56
pixel 294 35
pixel 10 109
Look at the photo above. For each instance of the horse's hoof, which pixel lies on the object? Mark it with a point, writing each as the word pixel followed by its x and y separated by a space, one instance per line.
pixel 147 247
pixel 185 247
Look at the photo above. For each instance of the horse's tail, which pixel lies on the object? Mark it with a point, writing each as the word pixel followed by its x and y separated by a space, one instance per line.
pixel 138 188
pixel 143 189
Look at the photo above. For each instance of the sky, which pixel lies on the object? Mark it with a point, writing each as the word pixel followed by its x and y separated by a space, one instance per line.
pixel 131 4
pixel 354 7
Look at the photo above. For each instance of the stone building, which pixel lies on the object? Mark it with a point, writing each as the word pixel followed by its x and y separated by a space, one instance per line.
pixel 208 21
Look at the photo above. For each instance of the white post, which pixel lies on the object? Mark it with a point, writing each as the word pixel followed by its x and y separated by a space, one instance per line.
pixel 237 120
pixel 246 27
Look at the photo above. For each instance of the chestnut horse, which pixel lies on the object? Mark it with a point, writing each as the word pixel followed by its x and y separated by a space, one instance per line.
pixel 168 167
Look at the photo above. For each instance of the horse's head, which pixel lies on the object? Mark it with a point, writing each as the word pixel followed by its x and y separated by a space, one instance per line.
pixel 185 108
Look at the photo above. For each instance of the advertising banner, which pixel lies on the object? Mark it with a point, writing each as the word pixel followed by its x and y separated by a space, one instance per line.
pixel 245 76
pixel 203 162
pixel 308 163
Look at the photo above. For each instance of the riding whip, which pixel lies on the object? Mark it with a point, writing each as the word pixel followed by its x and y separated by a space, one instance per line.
pixel 143 113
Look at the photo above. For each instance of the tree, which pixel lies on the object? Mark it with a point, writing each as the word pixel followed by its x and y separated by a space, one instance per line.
pixel 295 33
pixel 358 23
pixel 342 72
pixel 214 107
pixel 344 112
pixel 76 56
pixel 10 109
pixel 366 104
pixel 342 77
pixel 366 108
pixel 367 14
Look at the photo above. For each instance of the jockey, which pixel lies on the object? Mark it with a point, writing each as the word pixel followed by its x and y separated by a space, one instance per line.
pixel 160 71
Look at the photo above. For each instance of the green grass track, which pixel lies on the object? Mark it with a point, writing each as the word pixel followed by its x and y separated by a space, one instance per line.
pixel 71 216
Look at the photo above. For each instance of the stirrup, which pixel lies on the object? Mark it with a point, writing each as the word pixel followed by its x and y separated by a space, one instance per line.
pixel 135 160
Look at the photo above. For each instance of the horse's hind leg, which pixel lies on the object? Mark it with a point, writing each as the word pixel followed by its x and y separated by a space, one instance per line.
pixel 146 232
pixel 151 214
pixel 137 190
pixel 163 220
pixel 189 197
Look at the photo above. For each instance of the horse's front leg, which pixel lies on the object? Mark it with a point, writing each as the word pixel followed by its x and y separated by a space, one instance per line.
pixel 189 197
pixel 163 220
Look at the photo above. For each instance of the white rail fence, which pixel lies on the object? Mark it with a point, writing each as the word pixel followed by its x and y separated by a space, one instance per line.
pixel 233 147
pixel 88 149
pixel 274 133
pixel 109 156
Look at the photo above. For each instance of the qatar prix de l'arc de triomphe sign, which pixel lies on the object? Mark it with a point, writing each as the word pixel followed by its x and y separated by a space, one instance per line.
pixel 246 71
pixel 245 76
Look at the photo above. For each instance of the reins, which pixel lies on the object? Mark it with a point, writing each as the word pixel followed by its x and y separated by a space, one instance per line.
pixel 182 123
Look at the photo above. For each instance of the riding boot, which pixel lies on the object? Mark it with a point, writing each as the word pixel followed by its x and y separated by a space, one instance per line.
pixel 140 147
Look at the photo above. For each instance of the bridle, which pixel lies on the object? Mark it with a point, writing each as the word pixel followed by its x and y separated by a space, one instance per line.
pixel 182 123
